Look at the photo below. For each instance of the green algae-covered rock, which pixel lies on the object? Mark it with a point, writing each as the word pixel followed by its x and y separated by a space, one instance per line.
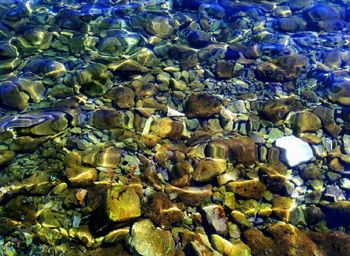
pixel 238 248
pixel 147 240
pixel 122 204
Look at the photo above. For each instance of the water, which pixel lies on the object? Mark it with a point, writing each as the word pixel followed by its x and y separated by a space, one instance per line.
pixel 174 127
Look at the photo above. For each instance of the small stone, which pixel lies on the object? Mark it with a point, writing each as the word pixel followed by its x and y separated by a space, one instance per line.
pixel 163 212
pixel 203 105
pixel 145 239
pixel 275 110
pixel 6 156
pixel 327 117
pixel 346 143
pixel 208 169
pixel 274 181
pixel 335 165
pixel 117 235
pixel 295 150
pixel 226 248
pixel 215 216
pixel 282 207
pixel 334 193
pixel 249 189
pixel 307 122
pixel 78 174
pixel 311 172
pixel 192 196
pixel 123 97
pixel 240 219
pixel 11 96
pixel 345 183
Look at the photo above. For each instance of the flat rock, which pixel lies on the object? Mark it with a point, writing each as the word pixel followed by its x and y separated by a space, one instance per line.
pixel 295 150
pixel 146 239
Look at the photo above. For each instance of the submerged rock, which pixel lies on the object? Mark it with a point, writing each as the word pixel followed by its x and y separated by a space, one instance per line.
pixel 295 151
pixel 145 239
pixel 203 105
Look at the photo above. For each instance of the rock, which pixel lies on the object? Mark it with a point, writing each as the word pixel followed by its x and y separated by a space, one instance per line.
pixel 163 212
pixel 78 174
pixel 282 207
pixel 105 118
pixel 127 66
pixel 295 151
pixel 123 97
pixel 226 248
pixel 6 156
pixel 215 217
pixel 285 68
pixel 165 127
pixel 311 172
pixel 108 157
pixel 249 189
pixel 161 26
pixel 217 149
pixel 327 117
pixel 280 239
pixel 12 97
pixel 241 149
pixel 332 243
pixel 240 219
pixel 190 195
pixel 145 239
pixel 93 79
pixel 203 105
pixel 273 180
pixel 313 215
pixel 120 205
pixel 337 213
pixel 346 143
pixel 197 38
pixel 207 169
pixel 225 69
pixel 307 122
pixel 117 235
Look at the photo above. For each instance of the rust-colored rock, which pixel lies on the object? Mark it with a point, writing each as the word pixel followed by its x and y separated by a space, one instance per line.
pixel 250 189
pixel 203 105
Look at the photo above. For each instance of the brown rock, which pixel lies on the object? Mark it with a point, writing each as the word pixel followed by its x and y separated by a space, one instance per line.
pixel 327 117
pixel 242 149
pixel 76 173
pixel 191 195
pixel 250 189
pixel 307 122
pixel 123 97
pixel 280 240
pixel 167 128
pixel 332 244
pixel 163 212
pixel 273 180
pixel 208 169
pixel 282 207
pixel 104 118
pixel 203 105
pixel 275 110
pixel 224 69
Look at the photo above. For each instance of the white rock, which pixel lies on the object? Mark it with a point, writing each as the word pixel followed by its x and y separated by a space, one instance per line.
pixel 295 150
pixel 172 112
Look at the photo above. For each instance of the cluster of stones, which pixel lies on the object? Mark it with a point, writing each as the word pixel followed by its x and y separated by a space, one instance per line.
pixel 185 127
